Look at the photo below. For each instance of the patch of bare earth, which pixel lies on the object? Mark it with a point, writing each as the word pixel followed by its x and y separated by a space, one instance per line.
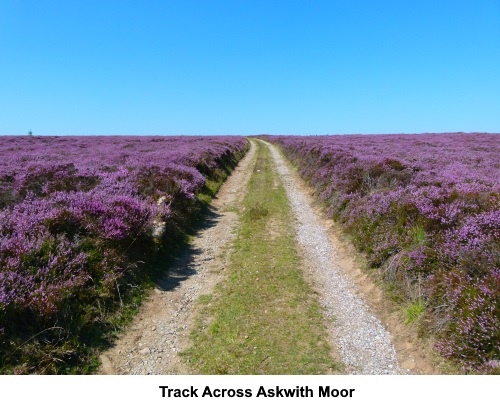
pixel 152 342
pixel 415 355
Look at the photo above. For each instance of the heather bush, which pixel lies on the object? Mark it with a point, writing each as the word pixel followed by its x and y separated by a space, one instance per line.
pixel 81 220
pixel 426 211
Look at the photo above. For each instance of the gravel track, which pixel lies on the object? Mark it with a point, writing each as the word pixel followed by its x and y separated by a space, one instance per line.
pixel 363 342
pixel 151 344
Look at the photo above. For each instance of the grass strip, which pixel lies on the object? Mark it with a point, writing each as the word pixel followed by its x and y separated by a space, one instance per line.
pixel 264 319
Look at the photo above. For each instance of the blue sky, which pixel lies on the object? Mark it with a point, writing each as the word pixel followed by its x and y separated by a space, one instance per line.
pixel 249 67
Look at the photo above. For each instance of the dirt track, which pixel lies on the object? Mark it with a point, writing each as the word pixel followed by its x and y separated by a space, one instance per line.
pixel 353 305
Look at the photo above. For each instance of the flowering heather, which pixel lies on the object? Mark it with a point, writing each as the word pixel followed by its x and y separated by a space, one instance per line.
pixel 426 210
pixel 76 216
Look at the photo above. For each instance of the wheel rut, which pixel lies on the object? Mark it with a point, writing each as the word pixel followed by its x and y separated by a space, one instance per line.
pixel 363 342
pixel 160 331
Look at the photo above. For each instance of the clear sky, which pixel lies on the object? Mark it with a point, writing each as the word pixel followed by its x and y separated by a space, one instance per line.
pixel 249 66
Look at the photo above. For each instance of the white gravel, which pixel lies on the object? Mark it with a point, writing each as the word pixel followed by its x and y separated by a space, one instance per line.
pixel 364 343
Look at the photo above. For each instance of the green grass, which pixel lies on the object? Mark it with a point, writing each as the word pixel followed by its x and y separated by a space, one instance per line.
pixel 418 235
pixel 264 319
pixel 205 299
pixel 414 311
